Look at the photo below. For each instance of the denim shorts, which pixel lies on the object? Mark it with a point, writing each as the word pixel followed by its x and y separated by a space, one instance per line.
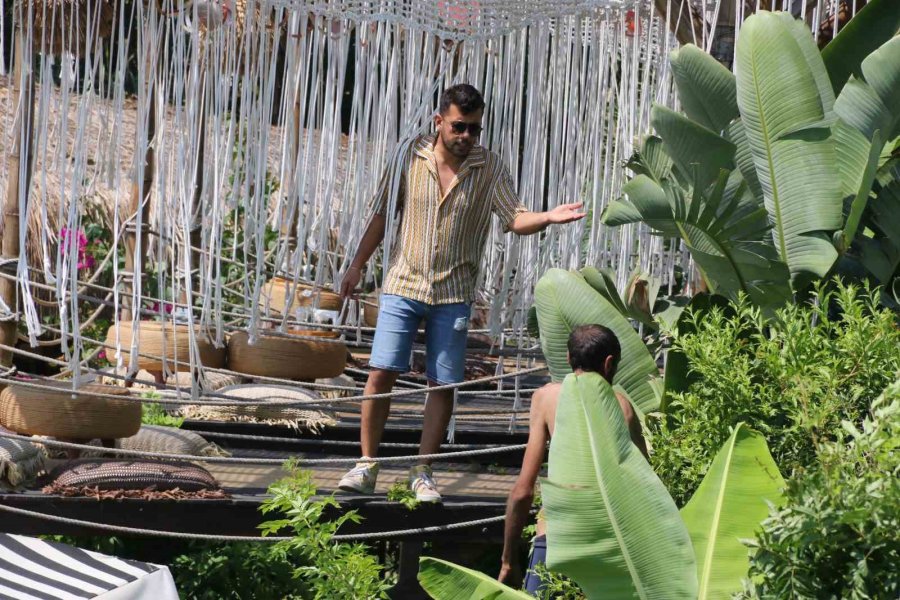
pixel 446 328
pixel 533 584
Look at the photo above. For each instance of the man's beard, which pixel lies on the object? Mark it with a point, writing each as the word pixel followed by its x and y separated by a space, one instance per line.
pixel 457 148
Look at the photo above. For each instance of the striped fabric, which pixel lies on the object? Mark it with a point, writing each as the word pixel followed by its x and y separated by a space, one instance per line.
pixel 441 240
pixel 31 568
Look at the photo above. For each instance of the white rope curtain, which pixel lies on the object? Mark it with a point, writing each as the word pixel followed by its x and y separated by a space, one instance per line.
pixel 293 148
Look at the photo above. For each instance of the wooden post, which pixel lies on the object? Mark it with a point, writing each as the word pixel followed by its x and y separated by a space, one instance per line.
pixel 11 245
pixel 140 194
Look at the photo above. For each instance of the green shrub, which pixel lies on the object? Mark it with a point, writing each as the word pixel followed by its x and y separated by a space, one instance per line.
pixel 793 378
pixel 238 571
pixel 331 569
pixel 838 534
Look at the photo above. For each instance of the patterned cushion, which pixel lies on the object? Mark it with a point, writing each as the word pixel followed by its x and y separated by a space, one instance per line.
pixel 97 474
pixel 20 461
pixel 170 440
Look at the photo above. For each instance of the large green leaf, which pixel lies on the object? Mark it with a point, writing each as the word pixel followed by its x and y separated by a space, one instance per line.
pixel 872 26
pixel 723 228
pixel 869 109
pixel 564 300
pixel 444 580
pixel 729 505
pixel 880 253
pixel 789 135
pixel 695 150
pixel 707 89
pixel 611 524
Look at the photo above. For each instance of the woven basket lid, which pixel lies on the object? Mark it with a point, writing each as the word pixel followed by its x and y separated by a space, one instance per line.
pixel 275 294
pixel 162 341
pixel 286 357
pixel 56 412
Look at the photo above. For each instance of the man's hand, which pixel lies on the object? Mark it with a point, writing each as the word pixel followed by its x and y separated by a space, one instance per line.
pixel 510 574
pixel 566 213
pixel 350 282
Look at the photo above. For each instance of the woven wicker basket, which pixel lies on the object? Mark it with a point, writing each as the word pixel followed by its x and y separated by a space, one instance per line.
pixel 370 305
pixel 274 293
pixel 159 340
pixel 287 358
pixel 56 412
pixel 70 22
pixel 263 401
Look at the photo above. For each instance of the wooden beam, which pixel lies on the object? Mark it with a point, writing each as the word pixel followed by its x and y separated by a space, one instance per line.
pixel 11 246
pixel 240 516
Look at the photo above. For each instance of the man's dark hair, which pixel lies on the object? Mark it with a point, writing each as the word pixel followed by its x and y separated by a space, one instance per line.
pixel 463 95
pixel 589 345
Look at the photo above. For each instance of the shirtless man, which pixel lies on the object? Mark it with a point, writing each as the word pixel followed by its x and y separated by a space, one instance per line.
pixel 592 348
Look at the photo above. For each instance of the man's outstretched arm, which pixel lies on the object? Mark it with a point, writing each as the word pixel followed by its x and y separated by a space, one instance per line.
pixel 367 245
pixel 527 223
pixel 518 505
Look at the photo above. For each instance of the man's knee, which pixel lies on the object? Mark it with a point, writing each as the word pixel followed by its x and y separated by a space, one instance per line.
pixel 382 379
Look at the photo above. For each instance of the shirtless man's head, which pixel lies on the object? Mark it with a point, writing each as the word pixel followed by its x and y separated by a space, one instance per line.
pixel 594 348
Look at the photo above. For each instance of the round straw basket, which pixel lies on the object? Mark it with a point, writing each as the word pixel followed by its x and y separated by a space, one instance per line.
pixel 370 306
pixel 288 358
pixel 67 23
pixel 159 341
pixel 58 413
pixel 275 294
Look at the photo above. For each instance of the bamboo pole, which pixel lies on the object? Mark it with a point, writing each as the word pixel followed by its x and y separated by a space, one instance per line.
pixel 11 245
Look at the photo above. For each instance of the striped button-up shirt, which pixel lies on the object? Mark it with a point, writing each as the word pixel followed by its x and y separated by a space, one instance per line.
pixel 440 242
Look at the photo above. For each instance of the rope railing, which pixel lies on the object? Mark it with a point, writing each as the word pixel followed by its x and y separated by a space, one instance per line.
pixel 456 454
pixel 224 400
pixel 137 531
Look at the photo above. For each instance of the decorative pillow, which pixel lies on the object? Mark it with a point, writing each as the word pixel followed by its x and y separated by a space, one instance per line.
pixel 20 461
pixel 133 479
pixel 170 440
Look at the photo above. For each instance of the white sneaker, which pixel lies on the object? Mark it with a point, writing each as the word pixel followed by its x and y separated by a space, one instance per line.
pixel 422 483
pixel 361 478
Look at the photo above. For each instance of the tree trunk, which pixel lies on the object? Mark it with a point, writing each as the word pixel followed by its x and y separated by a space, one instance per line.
pixel 11 245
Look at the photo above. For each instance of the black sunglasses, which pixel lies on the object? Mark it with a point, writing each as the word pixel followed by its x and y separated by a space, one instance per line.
pixel 458 127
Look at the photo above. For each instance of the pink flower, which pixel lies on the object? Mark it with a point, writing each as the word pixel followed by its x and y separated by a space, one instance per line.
pixel 102 355
pixel 167 306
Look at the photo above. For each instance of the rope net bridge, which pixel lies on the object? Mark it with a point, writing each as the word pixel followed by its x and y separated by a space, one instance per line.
pixel 185 182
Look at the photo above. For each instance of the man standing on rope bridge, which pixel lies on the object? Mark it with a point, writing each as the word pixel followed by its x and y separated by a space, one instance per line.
pixel 449 186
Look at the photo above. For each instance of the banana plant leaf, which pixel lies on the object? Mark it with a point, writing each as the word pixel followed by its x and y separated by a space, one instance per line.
pixel 564 300
pixel 880 253
pixel 651 159
pixel 707 90
pixel 611 525
pixel 444 580
pixel 877 22
pixel 729 505
pixel 697 152
pixel 789 135
pixel 869 111
pixel 723 228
